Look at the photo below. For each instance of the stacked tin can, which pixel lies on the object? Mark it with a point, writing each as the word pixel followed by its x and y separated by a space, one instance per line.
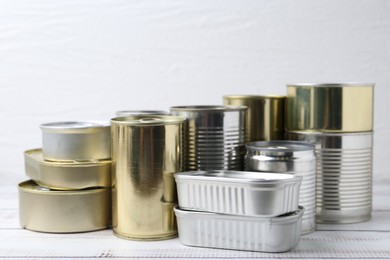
pixel 338 119
pixel 146 151
pixel 215 137
pixel 241 210
pixel 69 190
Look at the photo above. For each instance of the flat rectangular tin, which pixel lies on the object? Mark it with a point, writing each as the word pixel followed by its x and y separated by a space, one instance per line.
pixel 263 234
pixel 238 193
pixel 55 211
pixel 70 175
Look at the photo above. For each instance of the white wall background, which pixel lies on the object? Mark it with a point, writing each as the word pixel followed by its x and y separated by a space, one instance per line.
pixel 86 59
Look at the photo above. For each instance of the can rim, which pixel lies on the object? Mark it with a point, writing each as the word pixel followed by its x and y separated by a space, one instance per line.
pixel 206 108
pixel 332 85
pixel 330 133
pixel 239 96
pixel 147 120
pixel 123 113
pixel 280 146
pixel 32 187
pixel 71 126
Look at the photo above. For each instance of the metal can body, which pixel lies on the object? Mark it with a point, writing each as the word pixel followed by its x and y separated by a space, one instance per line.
pixel 56 211
pixel 297 158
pixel 344 107
pixel 344 175
pixel 265 115
pixel 76 141
pixel 124 113
pixel 66 175
pixel 146 152
pixel 215 137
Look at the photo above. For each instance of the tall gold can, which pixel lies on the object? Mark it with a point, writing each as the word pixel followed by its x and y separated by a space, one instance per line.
pixel 265 115
pixel 146 152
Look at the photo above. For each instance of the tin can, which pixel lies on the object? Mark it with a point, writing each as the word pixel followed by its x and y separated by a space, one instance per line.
pixel 263 234
pixel 76 141
pixel 69 175
pixel 124 113
pixel 344 107
pixel 265 115
pixel 55 211
pixel 344 175
pixel 146 152
pixel 297 158
pixel 215 137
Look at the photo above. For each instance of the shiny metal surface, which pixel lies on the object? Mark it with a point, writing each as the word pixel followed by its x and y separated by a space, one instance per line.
pixel 263 234
pixel 265 115
pixel 238 193
pixel 53 211
pixel 66 175
pixel 215 137
pixel 344 175
pixel 344 107
pixel 124 113
pixel 297 158
pixel 76 141
pixel 146 152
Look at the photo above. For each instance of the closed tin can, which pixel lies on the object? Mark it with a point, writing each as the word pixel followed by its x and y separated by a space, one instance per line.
pixel 238 192
pixel 215 137
pixel 146 152
pixel 263 234
pixel 296 158
pixel 265 115
pixel 124 113
pixel 69 175
pixel 343 107
pixel 344 175
pixel 76 141
pixel 55 211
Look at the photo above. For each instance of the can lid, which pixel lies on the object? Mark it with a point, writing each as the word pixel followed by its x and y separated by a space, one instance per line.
pixel 280 146
pixel 74 126
pixel 208 108
pixel 148 120
pixel 32 187
pixel 123 113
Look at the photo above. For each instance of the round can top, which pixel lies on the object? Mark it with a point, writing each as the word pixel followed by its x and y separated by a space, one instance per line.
pixel 256 97
pixel 74 126
pixel 330 107
pixel 280 148
pixel 124 113
pixel 148 120
pixel 207 108
pixel 34 188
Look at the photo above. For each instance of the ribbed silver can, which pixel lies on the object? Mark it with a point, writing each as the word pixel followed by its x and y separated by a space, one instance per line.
pixel 215 137
pixel 297 158
pixel 344 175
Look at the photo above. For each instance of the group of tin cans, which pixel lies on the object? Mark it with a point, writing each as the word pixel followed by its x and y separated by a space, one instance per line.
pixel 320 134
pixel 70 186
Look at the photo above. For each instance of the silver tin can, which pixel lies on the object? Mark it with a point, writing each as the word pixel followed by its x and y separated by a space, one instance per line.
pixel 263 234
pixel 76 141
pixel 215 137
pixel 146 152
pixel 291 157
pixel 123 113
pixel 344 175
pixel 238 192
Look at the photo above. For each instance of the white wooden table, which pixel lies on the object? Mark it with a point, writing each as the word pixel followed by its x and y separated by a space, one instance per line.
pixel 369 240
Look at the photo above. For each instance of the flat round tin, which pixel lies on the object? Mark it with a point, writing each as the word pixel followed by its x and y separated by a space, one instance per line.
pixel 341 107
pixel 76 141
pixel 66 175
pixel 53 211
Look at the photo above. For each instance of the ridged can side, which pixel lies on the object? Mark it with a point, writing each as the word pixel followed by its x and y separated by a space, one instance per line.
pixel 146 152
pixel 297 158
pixel 215 137
pixel 344 175
pixel 264 117
pixel 263 234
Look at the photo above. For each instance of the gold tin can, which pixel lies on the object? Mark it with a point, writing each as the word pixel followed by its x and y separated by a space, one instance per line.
pixel 344 107
pixel 146 152
pixel 55 211
pixel 265 115
pixel 66 175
